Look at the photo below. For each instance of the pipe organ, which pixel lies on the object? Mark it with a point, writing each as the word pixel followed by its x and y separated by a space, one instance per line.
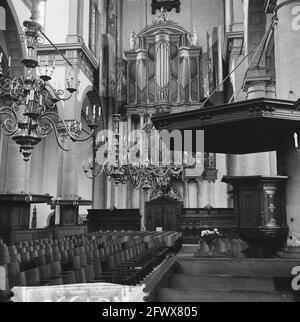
pixel 165 69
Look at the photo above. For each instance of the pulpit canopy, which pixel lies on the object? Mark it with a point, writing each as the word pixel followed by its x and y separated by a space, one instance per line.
pixel 252 126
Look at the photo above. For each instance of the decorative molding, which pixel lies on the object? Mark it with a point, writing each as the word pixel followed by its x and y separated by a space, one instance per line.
pixel 256 81
pixel 210 174
pixel 171 192
pixel 230 128
pixel 72 47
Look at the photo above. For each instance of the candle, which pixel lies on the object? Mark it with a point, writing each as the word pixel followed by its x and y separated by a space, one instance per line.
pixel 80 126
pixel 47 62
pixel 100 111
pixel 2 279
pixel 27 99
pixel 94 111
pixel 9 61
pixel 296 141
pixel 1 56
pixel 54 62
pixel 87 111
pixel 41 100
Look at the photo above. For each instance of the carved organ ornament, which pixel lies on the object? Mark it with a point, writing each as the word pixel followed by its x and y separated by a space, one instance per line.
pixel 164 74
pixel 164 66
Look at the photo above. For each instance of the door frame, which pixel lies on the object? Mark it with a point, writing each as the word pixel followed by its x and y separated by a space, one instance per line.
pixel 164 201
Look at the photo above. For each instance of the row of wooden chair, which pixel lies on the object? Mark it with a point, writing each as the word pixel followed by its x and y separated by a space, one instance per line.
pixel 116 257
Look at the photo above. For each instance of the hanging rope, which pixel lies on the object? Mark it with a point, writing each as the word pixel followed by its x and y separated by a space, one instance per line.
pixel 57 50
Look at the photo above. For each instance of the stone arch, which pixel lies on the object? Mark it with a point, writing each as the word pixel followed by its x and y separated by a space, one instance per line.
pixel 14 47
pixel 51 219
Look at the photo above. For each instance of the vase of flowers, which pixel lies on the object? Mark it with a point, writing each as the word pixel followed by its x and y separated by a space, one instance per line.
pixel 211 237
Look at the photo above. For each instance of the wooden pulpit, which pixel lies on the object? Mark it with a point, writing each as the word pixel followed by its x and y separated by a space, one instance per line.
pixel 259 205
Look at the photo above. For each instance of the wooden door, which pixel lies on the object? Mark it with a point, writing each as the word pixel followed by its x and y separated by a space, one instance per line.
pixel 163 213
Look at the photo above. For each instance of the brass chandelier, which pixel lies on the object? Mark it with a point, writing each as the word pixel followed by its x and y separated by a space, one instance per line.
pixel 142 175
pixel 29 114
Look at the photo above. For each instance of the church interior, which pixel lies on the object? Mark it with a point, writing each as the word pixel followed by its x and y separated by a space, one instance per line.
pixel 150 142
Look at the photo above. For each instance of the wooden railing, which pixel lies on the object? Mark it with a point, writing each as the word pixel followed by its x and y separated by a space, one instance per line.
pixel 159 278
pixel 123 219
pixel 193 221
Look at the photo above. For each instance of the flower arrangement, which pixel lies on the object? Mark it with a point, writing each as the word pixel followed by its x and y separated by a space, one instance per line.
pixel 211 237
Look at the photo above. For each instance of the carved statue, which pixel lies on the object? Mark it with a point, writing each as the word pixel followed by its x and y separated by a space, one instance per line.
pixel 132 40
pixel 193 37
pixel 162 17
pixel 171 192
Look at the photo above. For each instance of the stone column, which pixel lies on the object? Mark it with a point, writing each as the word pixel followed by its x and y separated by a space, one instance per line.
pixel 70 174
pixel 290 158
pixel 67 185
pixel 256 87
pixel 287 44
pixel 199 187
pixel 128 186
pixel 142 121
pixel 124 196
pixel 59 184
pixel 117 195
pixel 186 194
pixel 112 194
pixel 271 90
pixel 142 208
pixel 212 194
pixel 17 171
pixel 108 193
pixel 99 197
pixel 75 30
pixel 142 193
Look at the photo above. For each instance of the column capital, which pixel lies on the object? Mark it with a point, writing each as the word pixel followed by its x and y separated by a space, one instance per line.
pixel 256 81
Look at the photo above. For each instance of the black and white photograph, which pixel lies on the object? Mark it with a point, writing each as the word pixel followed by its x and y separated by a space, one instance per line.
pixel 149 154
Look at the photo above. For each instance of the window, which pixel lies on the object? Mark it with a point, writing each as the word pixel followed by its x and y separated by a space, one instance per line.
pixel 166 4
pixel 94 19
